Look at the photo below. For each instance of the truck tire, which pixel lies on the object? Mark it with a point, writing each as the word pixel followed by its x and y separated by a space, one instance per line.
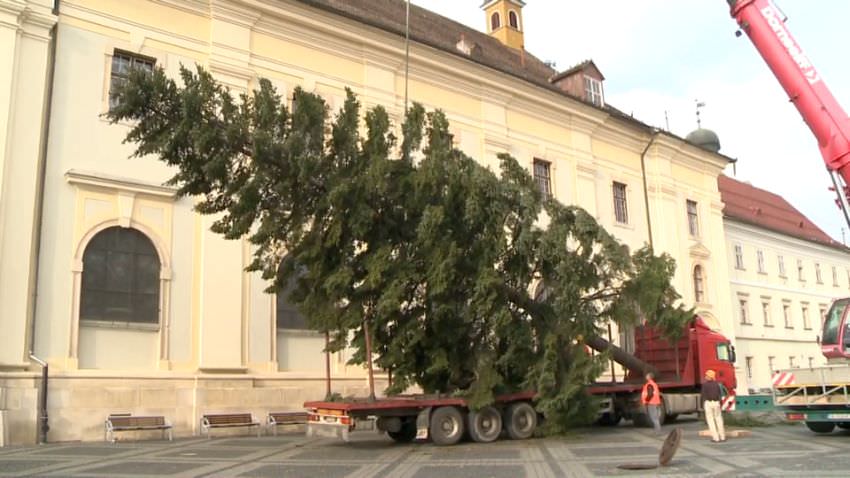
pixel 485 425
pixel 821 427
pixel 447 426
pixel 407 432
pixel 609 419
pixel 844 425
pixel 520 420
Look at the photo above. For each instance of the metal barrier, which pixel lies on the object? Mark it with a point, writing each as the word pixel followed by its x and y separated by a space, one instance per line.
pixel 754 403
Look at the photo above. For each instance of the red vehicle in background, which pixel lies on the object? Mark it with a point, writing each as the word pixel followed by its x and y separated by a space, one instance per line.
pixel 819 396
pixel 679 370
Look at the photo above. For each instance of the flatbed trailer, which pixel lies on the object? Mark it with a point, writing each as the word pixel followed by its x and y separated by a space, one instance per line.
pixel 443 419
pixel 679 368
pixel 818 396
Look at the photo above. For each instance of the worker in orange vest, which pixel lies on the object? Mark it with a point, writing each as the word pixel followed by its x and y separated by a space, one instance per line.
pixel 650 397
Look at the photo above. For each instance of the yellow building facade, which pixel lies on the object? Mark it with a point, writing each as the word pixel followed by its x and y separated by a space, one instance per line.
pixel 208 339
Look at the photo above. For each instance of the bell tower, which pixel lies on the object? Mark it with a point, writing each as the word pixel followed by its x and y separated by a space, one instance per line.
pixel 504 21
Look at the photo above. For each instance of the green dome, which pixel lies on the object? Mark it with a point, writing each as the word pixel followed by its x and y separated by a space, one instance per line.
pixel 705 139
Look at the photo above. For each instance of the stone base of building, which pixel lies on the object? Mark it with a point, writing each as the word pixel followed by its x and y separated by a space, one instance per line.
pixel 79 403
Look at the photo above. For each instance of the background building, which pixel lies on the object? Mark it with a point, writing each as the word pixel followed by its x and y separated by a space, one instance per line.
pixel 784 273
pixel 138 307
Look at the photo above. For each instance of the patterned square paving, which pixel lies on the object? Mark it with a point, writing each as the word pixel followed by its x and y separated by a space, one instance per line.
pixel 300 471
pixel 470 471
pixel 18 466
pixel 157 468
pixel 616 451
pixel 77 451
pixel 219 453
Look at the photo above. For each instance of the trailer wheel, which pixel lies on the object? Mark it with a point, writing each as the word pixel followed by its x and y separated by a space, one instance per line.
pixel 447 426
pixel 485 425
pixel 821 427
pixel 520 420
pixel 406 433
pixel 844 425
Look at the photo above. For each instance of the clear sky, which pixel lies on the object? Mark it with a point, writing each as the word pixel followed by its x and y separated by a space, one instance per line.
pixel 661 55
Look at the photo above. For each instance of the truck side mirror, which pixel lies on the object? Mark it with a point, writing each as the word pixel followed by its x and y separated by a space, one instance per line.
pixel 732 355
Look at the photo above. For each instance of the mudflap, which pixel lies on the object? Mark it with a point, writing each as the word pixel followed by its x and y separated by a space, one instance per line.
pixel 423 423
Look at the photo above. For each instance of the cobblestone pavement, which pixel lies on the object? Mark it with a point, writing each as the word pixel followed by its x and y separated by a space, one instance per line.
pixel 771 451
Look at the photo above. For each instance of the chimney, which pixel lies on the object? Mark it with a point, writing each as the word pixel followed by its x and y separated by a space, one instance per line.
pixel 504 21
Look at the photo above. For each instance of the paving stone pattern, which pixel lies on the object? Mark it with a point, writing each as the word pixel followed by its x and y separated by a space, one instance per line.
pixel 771 451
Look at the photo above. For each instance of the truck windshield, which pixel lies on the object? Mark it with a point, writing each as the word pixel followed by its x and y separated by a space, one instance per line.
pixel 723 352
pixel 832 323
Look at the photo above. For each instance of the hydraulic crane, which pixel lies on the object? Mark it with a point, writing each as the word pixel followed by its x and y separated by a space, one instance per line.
pixel 764 25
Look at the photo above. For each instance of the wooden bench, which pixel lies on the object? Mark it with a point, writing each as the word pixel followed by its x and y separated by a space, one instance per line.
pixel 285 418
pixel 126 422
pixel 228 420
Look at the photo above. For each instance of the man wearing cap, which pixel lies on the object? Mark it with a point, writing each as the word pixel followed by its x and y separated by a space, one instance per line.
pixel 710 397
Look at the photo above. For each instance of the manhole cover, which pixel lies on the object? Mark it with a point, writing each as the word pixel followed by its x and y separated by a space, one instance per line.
pixel 637 466
pixel 668 449
pixel 671 444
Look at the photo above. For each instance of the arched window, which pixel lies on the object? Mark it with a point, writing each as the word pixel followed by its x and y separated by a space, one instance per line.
pixel 288 316
pixel 120 280
pixel 495 21
pixel 513 19
pixel 699 284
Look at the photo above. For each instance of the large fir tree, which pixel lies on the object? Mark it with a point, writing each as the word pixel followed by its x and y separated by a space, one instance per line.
pixel 466 281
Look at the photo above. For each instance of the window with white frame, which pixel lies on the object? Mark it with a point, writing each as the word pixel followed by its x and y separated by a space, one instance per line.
pixel 693 218
pixel 760 261
pixel 811 362
pixel 542 176
pixel 122 64
pixel 834 276
pixel 743 311
pixel 822 310
pixel 765 310
pixel 792 362
pixel 287 315
pixel 770 361
pixel 786 314
pixel 800 275
pixel 781 261
pixel 593 91
pixel 739 256
pixel 804 311
pixel 749 362
pixel 120 279
pixel 818 276
pixel 699 284
pixel 621 205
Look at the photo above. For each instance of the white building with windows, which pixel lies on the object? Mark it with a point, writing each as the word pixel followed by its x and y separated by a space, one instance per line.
pixel 784 273
pixel 117 284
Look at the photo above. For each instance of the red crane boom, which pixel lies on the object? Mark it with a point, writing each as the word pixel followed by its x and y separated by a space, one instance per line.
pixel 762 22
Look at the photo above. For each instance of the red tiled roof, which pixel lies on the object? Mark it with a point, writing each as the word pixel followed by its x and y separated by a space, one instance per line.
pixel 747 203
pixel 443 33
pixel 437 31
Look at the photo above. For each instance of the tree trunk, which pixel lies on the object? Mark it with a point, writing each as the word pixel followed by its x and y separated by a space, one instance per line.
pixel 620 356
